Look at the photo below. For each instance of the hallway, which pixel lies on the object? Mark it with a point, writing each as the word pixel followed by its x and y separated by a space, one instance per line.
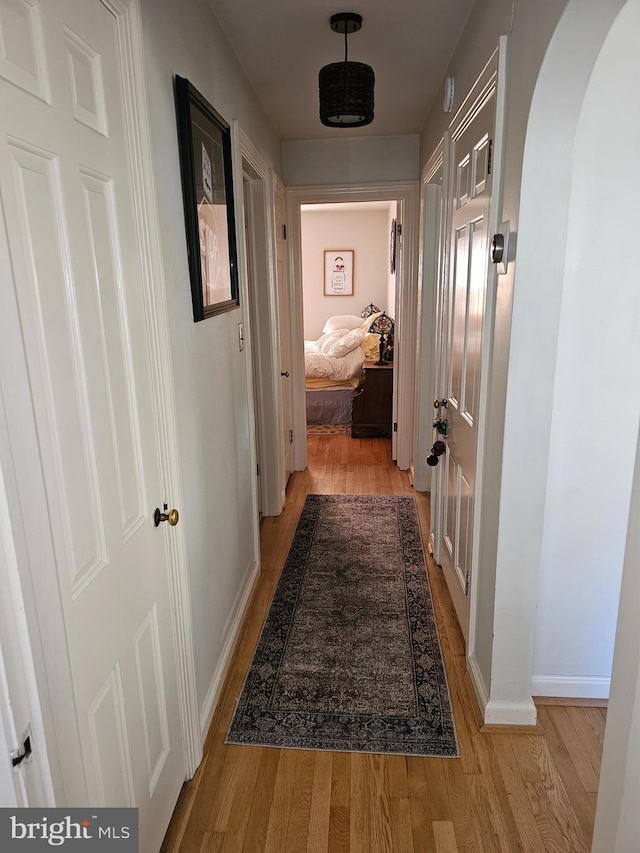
pixel 507 792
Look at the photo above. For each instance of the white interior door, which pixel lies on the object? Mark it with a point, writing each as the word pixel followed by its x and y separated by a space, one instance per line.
pixel 254 314
pixel 82 429
pixel 284 314
pixel 464 307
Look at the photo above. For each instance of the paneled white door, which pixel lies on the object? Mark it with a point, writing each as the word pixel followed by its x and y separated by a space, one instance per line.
pixel 284 314
pixel 76 264
pixel 464 311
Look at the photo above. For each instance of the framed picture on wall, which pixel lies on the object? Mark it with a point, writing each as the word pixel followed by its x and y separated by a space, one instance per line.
pixel 392 247
pixel 204 139
pixel 338 272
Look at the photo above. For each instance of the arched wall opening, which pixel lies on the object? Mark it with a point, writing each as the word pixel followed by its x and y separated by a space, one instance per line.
pixel 546 435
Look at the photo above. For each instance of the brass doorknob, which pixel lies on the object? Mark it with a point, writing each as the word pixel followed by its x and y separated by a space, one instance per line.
pixel 173 516
pixel 440 404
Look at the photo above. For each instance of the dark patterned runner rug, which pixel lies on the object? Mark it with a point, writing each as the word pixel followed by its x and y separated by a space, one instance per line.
pixel 349 658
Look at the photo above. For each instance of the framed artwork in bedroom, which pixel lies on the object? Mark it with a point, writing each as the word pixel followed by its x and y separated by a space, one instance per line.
pixel 338 272
pixel 205 163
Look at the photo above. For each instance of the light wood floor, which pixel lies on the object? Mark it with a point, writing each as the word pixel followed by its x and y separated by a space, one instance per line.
pixel 507 791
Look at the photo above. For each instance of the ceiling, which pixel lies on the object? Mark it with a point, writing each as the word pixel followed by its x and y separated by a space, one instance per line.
pixel 282 44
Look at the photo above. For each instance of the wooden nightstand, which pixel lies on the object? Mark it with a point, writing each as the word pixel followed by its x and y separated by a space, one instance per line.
pixel 372 408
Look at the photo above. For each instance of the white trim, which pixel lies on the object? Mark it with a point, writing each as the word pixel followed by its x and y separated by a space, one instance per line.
pixel 436 162
pixel 407 194
pixel 571 686
pixel 280 192
pixel 488 82
pixel 496 71
pixel 20 705
pixel 267 405
pixel 510 714
pixel 213 693
pixel 428 292
pixel 153 281
pixel 477 682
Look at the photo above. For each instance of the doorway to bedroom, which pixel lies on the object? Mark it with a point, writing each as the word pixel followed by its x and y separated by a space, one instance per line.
pixel 349 296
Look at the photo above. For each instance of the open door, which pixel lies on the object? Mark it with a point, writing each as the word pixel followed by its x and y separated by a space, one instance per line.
pixel 462 306
pixel 284 313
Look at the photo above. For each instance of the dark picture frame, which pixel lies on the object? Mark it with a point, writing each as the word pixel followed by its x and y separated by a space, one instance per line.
pixel 392 247
pixel 204 140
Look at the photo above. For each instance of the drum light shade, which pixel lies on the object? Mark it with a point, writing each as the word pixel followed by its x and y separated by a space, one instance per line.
pixel 346 88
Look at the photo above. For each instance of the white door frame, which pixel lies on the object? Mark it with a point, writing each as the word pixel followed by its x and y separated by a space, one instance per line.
pixel 407 195
pixel 20 703
pixel 494 73
pixel 431 257
pixel 43 607
pixel 265 404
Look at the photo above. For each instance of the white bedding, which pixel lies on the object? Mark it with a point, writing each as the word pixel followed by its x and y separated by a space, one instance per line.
pixel 319 364
pixel 339 353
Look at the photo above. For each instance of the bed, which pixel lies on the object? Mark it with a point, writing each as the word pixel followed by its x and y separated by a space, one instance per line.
pixel 333 367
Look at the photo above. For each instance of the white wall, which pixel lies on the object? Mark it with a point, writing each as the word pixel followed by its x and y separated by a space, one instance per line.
pixel 502 640
pixel 617 824
pixel 364 231
pixel 596 401
pixel 209 371
pixel 364 159
pixel 542 415
pixel 539 280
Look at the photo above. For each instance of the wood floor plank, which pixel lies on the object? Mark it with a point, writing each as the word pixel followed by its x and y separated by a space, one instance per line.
pixel 318 835
pixel 370 807
pixel 421 825
pixel 339 829
pixel 469 837
pixel 518 798
pixel 283 797
pixel 397 776
pixel 506 792
pixel 554 754
pixel 401 833
pixel 445 837
pixel 261 803
pixel 590 727
pixel 299 816
pixel 583 758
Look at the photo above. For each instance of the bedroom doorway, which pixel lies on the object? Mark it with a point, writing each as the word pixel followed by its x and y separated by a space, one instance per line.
pixel 307 313
pixel 349 310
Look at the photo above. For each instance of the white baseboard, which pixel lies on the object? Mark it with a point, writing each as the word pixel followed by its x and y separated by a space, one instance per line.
pixel 571 687
pixel 238 611
pixel 499 713
pixel 477 682
pixel 510 713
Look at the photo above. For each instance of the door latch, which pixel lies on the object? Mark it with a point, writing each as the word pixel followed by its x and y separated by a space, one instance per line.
pixel 24 752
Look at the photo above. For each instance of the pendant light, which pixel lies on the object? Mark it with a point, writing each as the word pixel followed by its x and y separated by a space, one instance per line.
pixel 346 88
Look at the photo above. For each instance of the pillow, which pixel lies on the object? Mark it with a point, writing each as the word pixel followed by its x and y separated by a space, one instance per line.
pixel 326 336
pixel 370 320
pixel 342 321
pixel 330 339
pixel 346 344
pixel 371 346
